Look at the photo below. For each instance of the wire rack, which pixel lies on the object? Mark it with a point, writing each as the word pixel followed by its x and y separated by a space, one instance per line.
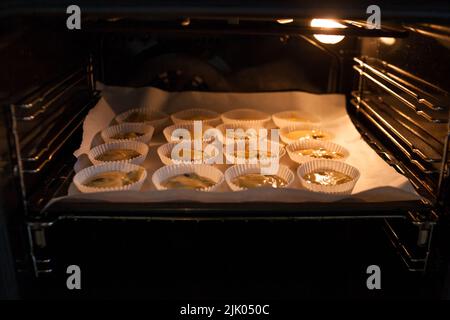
pixel 412 116
pixel 43 122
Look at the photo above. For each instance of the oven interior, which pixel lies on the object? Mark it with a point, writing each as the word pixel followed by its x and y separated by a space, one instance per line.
pixel 396 83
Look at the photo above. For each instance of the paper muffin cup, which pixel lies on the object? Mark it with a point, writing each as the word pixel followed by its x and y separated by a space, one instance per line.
pixel 188 126
pixel 286 130
pixel 159 119
pixel 184 116
pixel 83 175
pixel 140 147
pixel 246 117
pixel 241 169
pixel 235 159
pixel 165 154
pixel 321 164
pixel 202 170
pixel 147 130
pixel 282 119
pixel 312 144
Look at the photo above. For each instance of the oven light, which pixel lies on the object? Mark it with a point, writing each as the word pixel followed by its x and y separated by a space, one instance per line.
pixel 327 23
pixel 285 21
pixel 387 41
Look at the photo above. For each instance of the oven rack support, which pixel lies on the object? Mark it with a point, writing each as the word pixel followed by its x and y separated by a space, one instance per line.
pixel 37 109
pixel 427 102
pixel 44 101
pixel 391 159
pixel 41 263
pixel 46 154
pixel 414 260
pixel 422 102
pixel 424 155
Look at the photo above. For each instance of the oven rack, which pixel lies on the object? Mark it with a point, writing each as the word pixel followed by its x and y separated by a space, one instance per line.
pixel 343 210
pixel 44 97
pixel 414 254
pixel 36 101
pixel 426 146
pixel 421 178
pixel 43 122
pixel 431 108
pixel 33 119
pixel 422 140
pixel 418 179
pixel 43 171
pixel 35 160
pixel 198 211
pixel 53 187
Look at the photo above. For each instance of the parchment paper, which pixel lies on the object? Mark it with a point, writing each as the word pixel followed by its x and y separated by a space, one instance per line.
pixel 378 182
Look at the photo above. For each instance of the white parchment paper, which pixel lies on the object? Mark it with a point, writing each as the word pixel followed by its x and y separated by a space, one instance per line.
pixel 378 182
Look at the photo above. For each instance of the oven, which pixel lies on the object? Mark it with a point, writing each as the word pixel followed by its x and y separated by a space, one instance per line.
pixel 396 83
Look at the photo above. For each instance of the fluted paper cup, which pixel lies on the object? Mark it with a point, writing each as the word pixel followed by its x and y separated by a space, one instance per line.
pixel 314 144
pixel 208 117
pixel 209 156
pixel 155 118
pixel 84 175
pixel 286 118
pixel 137 146
pixel 241 169
pixel 146 129
pixel 168 132
pixel 307 127
pixel 203 170
pixel 246 117
pixel 317 165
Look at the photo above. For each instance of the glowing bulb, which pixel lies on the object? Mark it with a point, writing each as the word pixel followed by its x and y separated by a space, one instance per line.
pixel 284 21
pixel 329 24
pixel 388 41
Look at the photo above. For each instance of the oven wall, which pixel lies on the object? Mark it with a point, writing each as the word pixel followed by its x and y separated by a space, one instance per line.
pixel 49 87
pixel 13 238
pixel 34 55
pixel 9 222
pixel 238 63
